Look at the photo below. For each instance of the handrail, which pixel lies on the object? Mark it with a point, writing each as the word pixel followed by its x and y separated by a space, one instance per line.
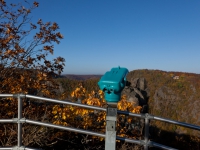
pixel 65 128
pixel 65 102
pixel 191 126
pixel 146 142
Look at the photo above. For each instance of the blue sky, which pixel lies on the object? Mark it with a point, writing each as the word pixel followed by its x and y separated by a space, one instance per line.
pixel 136 34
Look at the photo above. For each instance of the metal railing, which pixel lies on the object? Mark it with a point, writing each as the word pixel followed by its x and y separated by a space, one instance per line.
pixel 146 142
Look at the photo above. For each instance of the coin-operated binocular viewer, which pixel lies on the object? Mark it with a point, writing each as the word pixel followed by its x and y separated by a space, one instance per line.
pixel 112 83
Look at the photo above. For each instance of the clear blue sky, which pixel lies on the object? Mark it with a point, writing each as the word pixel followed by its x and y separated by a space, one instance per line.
pixel 136 34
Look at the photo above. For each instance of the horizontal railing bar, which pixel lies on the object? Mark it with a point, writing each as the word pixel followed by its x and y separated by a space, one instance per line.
pixel 160 119
pixel 28 148
pixel 20 148
pixel 154 144
pixel 66 102
pixel 128 140
pixel 141 142
pixel 65 128
pixel 130 114
pixel 6 148
pixel 177 123
pixel 7 121
pixel 6 95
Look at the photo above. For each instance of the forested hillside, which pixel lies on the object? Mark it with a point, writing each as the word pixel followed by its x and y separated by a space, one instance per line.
pixel 176 96
pixel 172 95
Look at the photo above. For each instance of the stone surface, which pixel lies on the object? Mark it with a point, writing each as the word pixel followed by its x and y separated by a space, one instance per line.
pixel 137 92
pixel 134 82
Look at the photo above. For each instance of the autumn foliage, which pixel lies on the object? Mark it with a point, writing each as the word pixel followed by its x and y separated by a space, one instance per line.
pixel 24 50
pixel 74 116
pixel 25 66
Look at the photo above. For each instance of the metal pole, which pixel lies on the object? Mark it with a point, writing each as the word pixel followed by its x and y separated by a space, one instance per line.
pixel 130 114
pixel 19 142
pixel 28 148
pixel 6 148
pixel 146 136
pixel 65 128
pixel 65 102
pixel 128 140
pixel 6 95
pixel 18 148
pixel 191 126
pixel 111 119
pixel 154 144
pixel 6 120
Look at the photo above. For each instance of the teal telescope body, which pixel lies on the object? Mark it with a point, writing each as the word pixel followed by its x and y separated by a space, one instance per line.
pixel 112 83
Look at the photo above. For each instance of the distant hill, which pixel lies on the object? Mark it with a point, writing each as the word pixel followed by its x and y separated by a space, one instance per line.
pixel 80 77
pixel 174 95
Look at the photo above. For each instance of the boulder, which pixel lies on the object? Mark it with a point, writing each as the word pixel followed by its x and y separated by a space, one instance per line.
pixel 137 91
pixel 139 83
pixel 142 84
pixel 134 82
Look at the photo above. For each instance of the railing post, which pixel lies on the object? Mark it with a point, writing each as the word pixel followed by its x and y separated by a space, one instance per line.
pixel 111 119
pixel 146 134
pixel 19 124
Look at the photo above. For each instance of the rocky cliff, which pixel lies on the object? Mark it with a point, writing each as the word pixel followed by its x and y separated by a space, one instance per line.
pixel 160 94
pixel 137 92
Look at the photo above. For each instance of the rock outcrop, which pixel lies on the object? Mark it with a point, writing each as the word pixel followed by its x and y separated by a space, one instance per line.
pixel 137 92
